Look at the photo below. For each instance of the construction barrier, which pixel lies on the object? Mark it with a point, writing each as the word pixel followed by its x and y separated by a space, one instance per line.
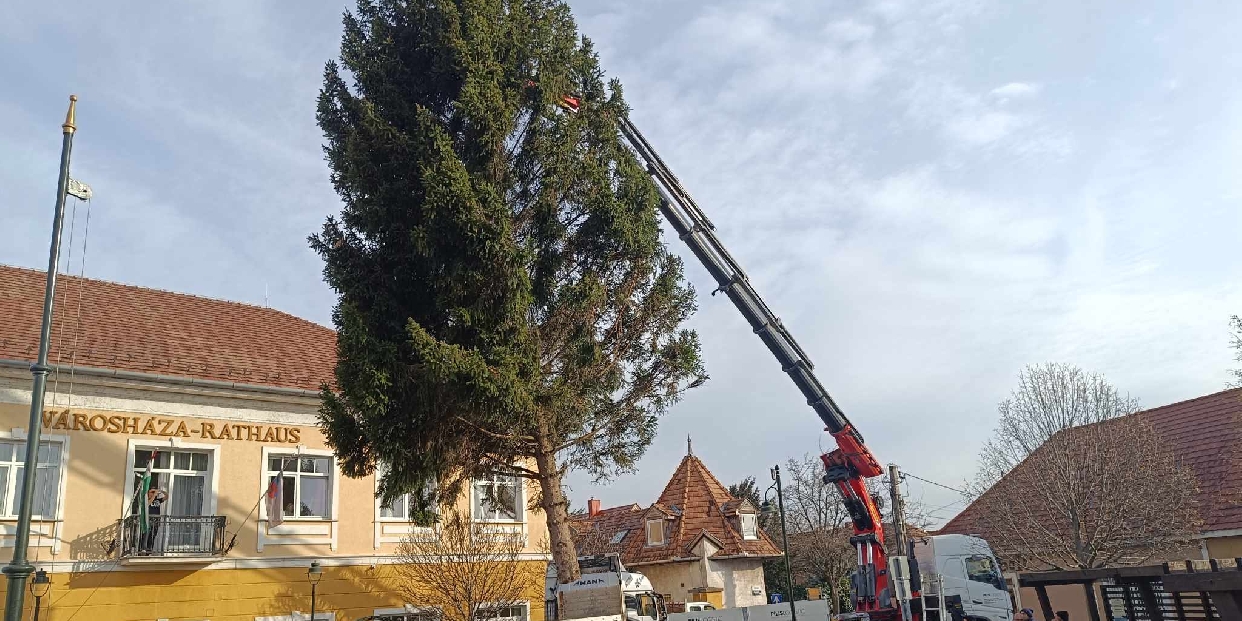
pixel 808 610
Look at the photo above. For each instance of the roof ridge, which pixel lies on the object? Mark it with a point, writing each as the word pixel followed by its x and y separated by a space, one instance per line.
pixel 181 294
pixel 1199 398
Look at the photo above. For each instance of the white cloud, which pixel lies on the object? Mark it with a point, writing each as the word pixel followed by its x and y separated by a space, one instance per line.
pixel 849 30
pixel 985 128
pixel 1016 89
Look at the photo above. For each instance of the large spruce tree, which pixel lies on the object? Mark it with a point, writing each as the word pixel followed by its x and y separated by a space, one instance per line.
pixel 505 301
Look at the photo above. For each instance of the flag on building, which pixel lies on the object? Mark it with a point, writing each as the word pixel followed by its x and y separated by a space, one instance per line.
pixel 144 524
pixel 276 501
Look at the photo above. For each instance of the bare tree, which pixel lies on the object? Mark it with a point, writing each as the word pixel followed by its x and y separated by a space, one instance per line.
pixel 1235 328
pixel 819 526
pixel 466 571
pixel 589 540
pixel 1049 398
pixel 1074 478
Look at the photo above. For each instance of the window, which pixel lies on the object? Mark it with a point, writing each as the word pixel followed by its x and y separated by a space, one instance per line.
pixel 306 484
pixel 983 569
pixel 641 606
pixel 497 498
pixel 182 475
pixel 425 615
pixel 405 508
pixel 516 612
pixel 750 526
pixel 300 616
pixel 618 537
pixel 47 478
pixel 655 532
pixel 398 509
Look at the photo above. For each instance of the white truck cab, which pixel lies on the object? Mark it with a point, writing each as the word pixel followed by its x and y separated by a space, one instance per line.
pixel 963 568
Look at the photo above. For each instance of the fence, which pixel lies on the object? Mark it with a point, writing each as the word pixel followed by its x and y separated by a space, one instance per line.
pixel 173 535
pixel 808 610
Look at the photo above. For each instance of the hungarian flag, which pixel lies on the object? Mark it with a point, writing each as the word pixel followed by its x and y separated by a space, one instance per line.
pixel 276 501
pixel 143 506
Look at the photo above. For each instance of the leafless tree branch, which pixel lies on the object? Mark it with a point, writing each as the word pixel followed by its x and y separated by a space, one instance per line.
pixel 465 570
pixel 1076 478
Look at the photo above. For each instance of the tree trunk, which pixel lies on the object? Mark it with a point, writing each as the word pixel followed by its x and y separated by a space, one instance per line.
pixel 556 511
pixel 832 597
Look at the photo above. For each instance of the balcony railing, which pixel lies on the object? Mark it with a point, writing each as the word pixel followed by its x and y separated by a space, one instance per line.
pixel 173 536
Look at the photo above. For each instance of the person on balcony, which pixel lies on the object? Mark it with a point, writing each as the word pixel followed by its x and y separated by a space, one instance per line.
pixel 150 539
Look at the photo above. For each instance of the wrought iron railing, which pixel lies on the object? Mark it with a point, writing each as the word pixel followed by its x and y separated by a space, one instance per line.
pixel 173 535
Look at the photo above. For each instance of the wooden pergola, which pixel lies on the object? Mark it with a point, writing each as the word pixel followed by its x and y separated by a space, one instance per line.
pixel 1218 583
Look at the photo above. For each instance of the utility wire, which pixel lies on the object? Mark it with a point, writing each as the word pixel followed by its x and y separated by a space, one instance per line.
pixel 918 478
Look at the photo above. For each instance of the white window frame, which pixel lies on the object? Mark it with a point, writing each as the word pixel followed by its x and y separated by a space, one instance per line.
pixel 751 520
pixel 308 530
pixel 13 484
pixel 297 615
pixel 647 531
pixel 395 529
pixel 520 485
pixel 39 526
pixel 379 505
pixel 332 477
pixel 407 609
pixel 213 467
pixel 524 604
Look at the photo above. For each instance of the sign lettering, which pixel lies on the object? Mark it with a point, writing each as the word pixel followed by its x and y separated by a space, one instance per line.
pixel 169 427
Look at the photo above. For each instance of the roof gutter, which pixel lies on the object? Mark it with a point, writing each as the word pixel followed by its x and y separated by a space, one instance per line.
pixel 168 379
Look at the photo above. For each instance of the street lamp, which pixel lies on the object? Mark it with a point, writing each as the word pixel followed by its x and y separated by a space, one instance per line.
pixel 19 568
pixel 766 507
pixel 39 588
pixel 314 575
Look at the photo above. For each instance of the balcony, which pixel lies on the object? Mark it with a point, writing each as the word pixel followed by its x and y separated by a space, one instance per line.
pixel 172 538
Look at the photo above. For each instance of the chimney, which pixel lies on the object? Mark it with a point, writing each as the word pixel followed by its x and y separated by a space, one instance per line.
pixel 592 507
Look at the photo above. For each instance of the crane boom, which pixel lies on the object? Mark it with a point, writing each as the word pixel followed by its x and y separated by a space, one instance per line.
pixel 847 467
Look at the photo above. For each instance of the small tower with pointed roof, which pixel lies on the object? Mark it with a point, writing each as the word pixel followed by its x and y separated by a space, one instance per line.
pixel 696 542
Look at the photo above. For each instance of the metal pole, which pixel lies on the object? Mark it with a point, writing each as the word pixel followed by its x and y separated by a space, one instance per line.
pixel 312 601
pixel 38 600
pixel 899 517
pixel 780 504
pixel 899 533
pixel 19 569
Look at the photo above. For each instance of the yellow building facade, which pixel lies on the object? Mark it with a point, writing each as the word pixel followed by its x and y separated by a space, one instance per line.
pixel 213 554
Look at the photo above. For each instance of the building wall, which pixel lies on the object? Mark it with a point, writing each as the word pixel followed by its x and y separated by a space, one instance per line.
pixel 350 592
pixel 739 578
pixel 1224 547
pixel 734 576
pixel 110 418
pixel 1068 597
pixel 672 579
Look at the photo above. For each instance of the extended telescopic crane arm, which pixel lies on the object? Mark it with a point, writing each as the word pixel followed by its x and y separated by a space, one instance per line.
pixel 852 462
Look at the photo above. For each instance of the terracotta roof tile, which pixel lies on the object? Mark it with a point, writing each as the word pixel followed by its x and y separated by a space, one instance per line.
pixel 696 504
pixel 132 328
pixel 1206 432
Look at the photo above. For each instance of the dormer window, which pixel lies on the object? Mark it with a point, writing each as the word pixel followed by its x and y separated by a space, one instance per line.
pixel 655 532
pixel 750 526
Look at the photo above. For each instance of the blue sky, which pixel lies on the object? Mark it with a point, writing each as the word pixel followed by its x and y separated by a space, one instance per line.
pixel 932 194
